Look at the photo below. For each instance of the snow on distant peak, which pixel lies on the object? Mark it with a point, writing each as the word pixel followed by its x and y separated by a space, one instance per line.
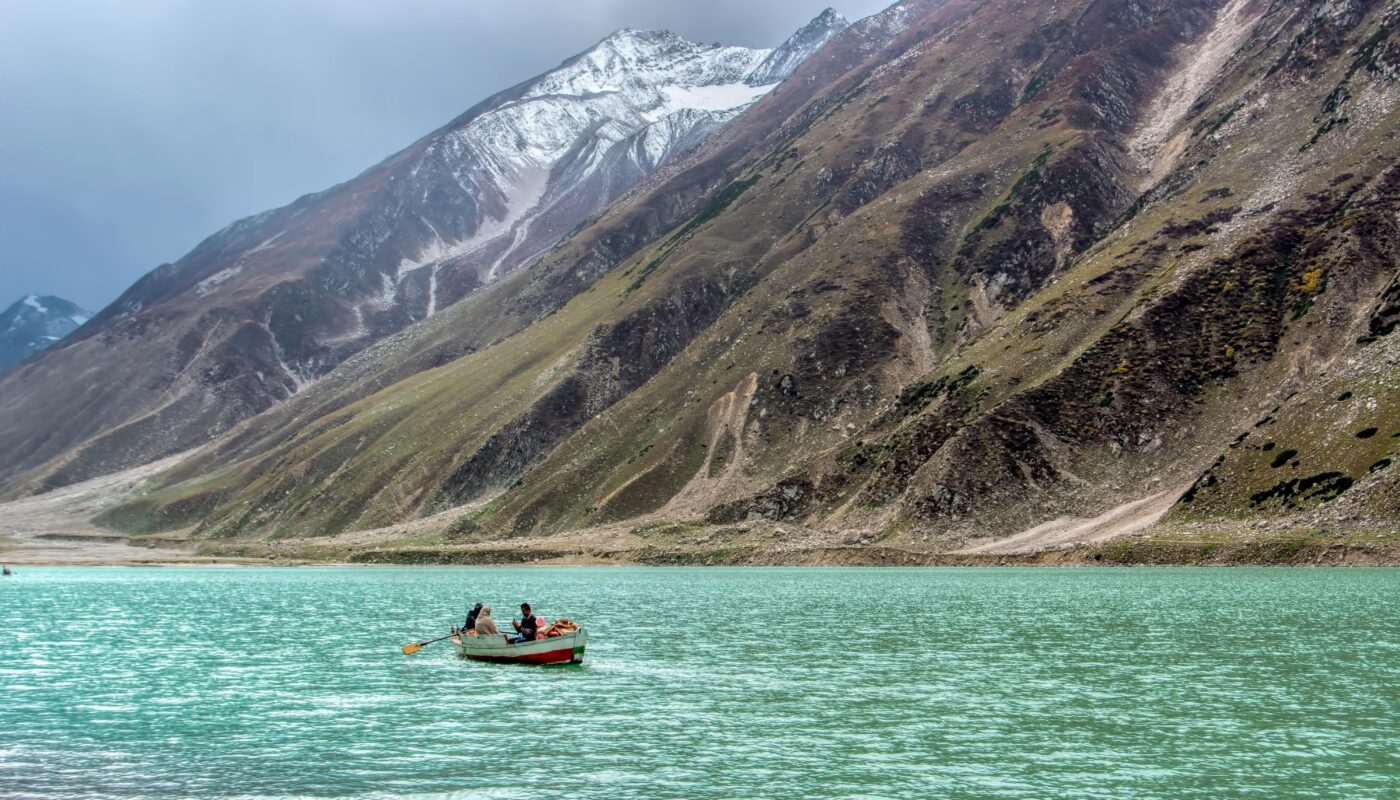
pixel 631 61
pixel 614 91
pixel 887 24
pixel 785 59
pixel 564 144
pixel 33 323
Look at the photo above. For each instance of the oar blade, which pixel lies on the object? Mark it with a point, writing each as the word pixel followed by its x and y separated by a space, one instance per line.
pixel 410 649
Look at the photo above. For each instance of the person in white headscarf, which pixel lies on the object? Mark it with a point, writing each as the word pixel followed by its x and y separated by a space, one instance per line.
pixel 485 626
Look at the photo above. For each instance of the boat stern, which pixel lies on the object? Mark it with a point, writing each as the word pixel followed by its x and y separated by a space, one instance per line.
pixel 580 641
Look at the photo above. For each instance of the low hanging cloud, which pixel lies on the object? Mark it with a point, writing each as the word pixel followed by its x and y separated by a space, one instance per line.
pixel 134 129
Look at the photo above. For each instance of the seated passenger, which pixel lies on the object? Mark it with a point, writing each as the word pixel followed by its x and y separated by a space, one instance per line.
pixel 471 618
pixel 485 626
pixel 525 627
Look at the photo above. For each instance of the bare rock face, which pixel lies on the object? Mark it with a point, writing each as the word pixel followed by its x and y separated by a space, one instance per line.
pixel 270 304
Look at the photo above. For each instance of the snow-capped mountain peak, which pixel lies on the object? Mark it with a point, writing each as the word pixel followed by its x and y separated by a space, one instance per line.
pixel 572 140
pixel 33 323
pixel 631 58
pixel 783 60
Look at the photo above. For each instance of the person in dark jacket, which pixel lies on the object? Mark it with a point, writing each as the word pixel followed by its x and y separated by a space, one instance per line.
pixel 470 624
pixel 525 627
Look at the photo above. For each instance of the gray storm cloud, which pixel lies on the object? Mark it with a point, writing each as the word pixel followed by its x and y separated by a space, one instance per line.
pixel 131 130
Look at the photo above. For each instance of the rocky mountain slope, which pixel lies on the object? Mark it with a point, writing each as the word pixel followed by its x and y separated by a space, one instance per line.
pixel 263 308
pixel 34 323
pixel 979 277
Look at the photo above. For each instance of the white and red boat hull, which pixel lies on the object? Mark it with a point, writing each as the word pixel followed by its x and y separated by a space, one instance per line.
pixel 566 649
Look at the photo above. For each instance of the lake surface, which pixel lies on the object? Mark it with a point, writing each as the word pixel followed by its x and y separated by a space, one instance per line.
pixel 704 683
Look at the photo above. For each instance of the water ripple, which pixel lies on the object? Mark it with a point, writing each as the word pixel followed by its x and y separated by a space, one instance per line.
pixel 716 683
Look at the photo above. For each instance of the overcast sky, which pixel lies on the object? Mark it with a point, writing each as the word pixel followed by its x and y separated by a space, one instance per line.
pixel 132 129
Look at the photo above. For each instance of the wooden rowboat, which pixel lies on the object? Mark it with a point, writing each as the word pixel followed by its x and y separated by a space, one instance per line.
pixel 565 649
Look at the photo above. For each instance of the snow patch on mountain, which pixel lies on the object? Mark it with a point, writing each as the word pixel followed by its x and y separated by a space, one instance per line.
pixel 720 97
pixel 214 281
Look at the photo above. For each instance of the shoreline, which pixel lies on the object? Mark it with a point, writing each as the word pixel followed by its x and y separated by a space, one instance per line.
pixel 1280 552
pixel 57 529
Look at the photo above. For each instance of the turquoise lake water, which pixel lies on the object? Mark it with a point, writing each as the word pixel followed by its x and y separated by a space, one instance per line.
pixel 704 683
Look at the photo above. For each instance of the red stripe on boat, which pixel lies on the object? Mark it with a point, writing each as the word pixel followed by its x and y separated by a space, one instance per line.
pixel 551 657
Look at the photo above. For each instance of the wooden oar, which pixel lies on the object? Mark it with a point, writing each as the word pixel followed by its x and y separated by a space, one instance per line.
pixel 410 649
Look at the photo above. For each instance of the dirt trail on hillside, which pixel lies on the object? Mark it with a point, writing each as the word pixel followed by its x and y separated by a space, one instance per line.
pixel 1123 520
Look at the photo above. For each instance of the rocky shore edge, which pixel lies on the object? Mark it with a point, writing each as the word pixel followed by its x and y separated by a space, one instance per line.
pixel 1287 549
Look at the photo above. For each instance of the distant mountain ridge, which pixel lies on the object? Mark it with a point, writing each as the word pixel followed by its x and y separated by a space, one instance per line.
pixel 34 323
pixel 266 306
